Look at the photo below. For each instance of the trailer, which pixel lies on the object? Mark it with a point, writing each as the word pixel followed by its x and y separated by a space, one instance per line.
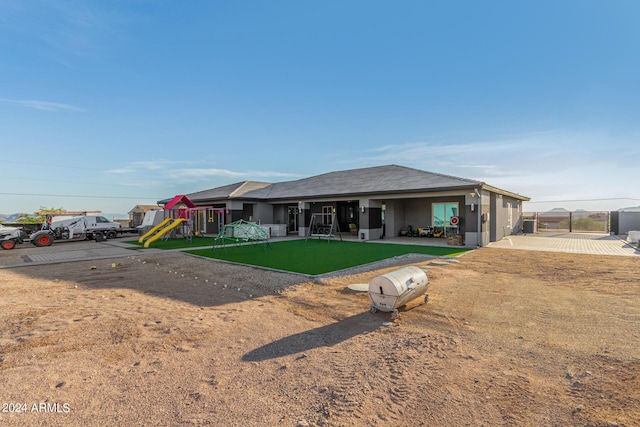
pixel 150 220
pixel 86 227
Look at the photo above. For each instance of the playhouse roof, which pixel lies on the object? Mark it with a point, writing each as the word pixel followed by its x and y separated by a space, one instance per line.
pixel 180 198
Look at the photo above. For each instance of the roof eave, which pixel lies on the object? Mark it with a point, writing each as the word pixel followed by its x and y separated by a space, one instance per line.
pixel 374 193
pixel 505 192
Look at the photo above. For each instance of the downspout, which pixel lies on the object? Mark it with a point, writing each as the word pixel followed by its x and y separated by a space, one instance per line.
pixel 479 234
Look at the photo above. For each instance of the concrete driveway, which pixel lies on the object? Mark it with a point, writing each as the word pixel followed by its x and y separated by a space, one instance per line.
pixel 27 254
pixel 577 243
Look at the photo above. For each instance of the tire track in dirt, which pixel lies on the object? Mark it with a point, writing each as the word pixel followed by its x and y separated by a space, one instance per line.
pixel 399 392
pixel 347 393
pixel 516 388
pixel 382 389
pixel 409 358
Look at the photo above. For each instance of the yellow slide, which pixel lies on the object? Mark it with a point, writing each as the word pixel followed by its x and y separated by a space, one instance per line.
pixel 153 230
pixel 162 232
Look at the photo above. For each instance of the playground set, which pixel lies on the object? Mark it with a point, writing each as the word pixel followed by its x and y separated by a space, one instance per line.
pixel 180 216
pixel 241 232
pixel 321 230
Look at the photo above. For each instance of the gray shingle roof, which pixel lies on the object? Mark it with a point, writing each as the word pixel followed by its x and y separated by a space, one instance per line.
pixel 237 189
pixel 372 180
pixel 378 179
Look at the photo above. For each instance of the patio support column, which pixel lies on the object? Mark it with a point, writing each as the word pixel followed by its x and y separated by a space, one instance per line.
pixel 473 220
pixel 235 210
pixel 304 217
pixel 370 219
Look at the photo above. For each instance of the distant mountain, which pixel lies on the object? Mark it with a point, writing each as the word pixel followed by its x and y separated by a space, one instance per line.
pixel 558 210
pixel 115 215
pixel 630 209
pixel 9 217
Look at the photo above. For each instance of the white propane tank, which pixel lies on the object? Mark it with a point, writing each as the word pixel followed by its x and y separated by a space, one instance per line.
pixel 390 291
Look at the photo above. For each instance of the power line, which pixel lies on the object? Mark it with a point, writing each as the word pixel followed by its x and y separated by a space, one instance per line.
pixel 81 196
pixel 22 178
pixel 53 165
pixel 585 200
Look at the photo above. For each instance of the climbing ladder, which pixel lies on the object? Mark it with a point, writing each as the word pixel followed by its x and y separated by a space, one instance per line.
pixel 186 230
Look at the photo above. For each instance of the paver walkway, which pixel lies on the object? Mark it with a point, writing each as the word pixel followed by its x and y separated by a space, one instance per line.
pixel 27 254
pixel 577 243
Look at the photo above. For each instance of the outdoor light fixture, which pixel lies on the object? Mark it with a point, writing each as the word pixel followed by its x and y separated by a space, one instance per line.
pixel 362 209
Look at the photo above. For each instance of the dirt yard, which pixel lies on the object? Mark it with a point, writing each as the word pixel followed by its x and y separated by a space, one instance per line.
pixel 512 338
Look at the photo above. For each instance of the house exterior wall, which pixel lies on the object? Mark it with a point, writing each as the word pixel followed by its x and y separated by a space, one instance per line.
pixel 236 210
pixel 506 215
pixel 394 217
pixel 485 218
pixel 136 218
pixel 280 214
pixel 215 221
pixel 263 213
pixel 418 212
pixel 486 213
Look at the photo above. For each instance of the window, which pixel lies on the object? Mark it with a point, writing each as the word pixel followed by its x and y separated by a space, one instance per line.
pixel 327 213
pixel 442 214
pixel 101 219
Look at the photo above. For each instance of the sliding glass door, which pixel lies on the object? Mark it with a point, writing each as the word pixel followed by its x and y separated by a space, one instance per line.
pixel 442 214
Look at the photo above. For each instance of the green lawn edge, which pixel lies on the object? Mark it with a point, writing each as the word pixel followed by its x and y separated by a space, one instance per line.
pixel 178 243
pixel 314 257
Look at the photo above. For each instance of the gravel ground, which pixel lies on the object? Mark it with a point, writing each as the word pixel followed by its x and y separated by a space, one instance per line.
pixel 507 338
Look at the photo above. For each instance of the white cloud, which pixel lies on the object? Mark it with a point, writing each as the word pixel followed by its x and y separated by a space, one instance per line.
pixel 203 173
pixel 122 171
pixel 144 173
pixel 159 164
pixel 42 105
pixel 509 155
pixel 66 29
pixel 554 165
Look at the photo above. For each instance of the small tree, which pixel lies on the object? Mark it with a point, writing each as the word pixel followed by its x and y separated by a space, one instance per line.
pixel 38 217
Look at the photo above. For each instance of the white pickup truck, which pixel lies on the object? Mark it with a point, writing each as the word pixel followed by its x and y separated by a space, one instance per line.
pixel 84 227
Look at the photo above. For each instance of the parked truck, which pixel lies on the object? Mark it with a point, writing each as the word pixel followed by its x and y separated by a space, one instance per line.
pixel 84 227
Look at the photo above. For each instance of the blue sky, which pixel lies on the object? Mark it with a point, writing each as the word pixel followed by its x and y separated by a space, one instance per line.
pixel 109 104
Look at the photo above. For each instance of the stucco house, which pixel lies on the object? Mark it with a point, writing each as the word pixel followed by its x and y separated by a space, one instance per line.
pixel 381 202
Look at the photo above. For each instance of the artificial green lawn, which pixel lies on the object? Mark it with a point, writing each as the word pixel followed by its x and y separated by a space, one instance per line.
pixel 318 256
pixel 179 243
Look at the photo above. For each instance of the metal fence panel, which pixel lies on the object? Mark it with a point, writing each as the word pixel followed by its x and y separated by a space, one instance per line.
pixel 574 222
